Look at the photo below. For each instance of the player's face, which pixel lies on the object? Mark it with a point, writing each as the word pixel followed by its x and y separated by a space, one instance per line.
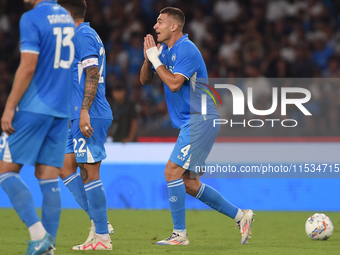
pixel 163 28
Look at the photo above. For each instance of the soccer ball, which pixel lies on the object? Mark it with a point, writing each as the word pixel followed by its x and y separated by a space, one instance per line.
pixel 319 226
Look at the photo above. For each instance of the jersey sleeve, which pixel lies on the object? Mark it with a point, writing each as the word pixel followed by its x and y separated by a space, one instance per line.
pixel 87 50
pixel 187 61
pixel 29 35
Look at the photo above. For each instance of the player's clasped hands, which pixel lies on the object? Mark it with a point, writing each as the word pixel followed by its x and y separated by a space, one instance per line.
pixel 84 124
pixel 149 42
pixel 150 49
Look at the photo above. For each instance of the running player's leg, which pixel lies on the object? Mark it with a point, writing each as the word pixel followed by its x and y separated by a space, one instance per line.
pixel 99 238
pixel 202 140
pixel 210 196
pixel 89 153
pixel 22 147
pixel 176 166
pixel 216 201
pixel 73 181
pixel 49 161
pixel 71 178
pixel 21 198
pixel 51 204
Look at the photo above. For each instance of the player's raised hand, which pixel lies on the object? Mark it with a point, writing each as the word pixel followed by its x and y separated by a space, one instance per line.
pixel 145 45
pixel 84 123
pixel 150 42
pixel 6 121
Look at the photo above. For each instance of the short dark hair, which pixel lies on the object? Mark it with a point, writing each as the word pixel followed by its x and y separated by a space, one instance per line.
pixel 77 8
pixel 175 13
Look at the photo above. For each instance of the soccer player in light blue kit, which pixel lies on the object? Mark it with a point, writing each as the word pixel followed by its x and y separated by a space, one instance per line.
pixel 180 65
pixel 91 118
pixel 36 116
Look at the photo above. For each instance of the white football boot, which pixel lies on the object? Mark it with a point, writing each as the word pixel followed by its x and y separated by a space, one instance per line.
pixel 175 239
pixel 92 235
pixel 245 225
pixel 95 244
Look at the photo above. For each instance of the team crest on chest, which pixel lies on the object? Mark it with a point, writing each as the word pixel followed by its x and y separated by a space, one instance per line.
pixel 173 57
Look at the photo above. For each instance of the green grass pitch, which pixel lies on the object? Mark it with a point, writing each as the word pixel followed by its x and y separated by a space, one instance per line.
pixel 209 232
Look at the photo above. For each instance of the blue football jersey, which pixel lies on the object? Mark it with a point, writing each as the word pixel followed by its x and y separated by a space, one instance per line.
pixel 89 52
pixel 184 105
pixel 48 30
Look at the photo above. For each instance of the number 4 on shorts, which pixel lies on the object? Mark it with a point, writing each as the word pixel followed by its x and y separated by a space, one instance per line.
pixel 185 150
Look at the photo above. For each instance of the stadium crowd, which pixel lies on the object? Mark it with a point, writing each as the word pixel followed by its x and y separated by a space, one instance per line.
pixel 245 38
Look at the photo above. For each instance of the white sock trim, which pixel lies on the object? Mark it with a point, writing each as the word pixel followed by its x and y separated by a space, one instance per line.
pixel 104 237
pixel 200 191
pixel 181 232
pixel 7 175
pixel 37 231
pixel 71 178
pixel 239 215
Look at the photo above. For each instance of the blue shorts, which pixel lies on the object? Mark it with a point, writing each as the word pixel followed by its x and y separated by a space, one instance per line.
pixel 88 150
pixel 38 138
pixel 194 144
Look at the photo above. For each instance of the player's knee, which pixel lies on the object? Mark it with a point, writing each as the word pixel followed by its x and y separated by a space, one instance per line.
pixel 66 171
pixel 62 174
pixel 45 172
pixel 167 174
pixel 171 174
pixel 191 186
pixel 38 173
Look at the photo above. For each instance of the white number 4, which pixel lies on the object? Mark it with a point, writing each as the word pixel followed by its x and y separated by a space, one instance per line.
pixel 185 150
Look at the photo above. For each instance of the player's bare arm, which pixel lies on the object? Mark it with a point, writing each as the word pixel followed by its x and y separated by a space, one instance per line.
pixel 91 85
pixel 22 79
pixel 173 81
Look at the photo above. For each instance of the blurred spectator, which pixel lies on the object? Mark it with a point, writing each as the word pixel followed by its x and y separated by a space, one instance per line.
pixel 227 48
pixel 135 53
pixel 296 6
pixel 276 38
pixel 124 125
pixel 303 66
pixel 287 52
pixel 316 9
pixel 226 10
pixel 117 62
pixel 198 26
pixel 333 69
pixel 5 25
pixel 321 53
pixel 277 9
pixel 262 90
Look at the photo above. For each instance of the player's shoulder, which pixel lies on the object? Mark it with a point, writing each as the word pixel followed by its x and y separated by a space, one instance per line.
pixel 49 8
pixel 186 46
pixel 29 16
pixel 87 32
pixel 52 14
